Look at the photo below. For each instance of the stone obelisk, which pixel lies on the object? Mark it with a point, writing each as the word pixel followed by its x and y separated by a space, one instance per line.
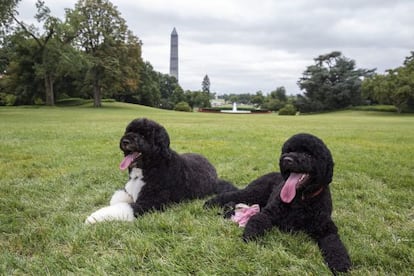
pixel 174 54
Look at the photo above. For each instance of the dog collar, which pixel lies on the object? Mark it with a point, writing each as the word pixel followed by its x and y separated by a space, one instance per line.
pixel 313 194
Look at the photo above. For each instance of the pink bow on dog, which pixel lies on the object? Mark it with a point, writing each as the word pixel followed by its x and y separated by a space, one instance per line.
pixel 243 213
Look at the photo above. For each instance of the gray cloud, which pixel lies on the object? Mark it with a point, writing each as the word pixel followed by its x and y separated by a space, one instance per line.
pixel 246 46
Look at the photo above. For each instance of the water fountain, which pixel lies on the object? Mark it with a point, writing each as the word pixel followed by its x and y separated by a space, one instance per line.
pixel 235 111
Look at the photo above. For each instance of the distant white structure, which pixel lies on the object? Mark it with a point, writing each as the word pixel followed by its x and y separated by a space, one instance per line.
pixel 217 102
pixel 174 54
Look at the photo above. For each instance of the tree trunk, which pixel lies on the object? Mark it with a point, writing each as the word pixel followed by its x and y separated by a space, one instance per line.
pixel 96 94
pixel 50 97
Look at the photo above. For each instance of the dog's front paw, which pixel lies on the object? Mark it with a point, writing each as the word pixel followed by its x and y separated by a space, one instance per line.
pixel 335 253
pixel 229 209
pixel 256 227
pixel 120 211
pixel 249 236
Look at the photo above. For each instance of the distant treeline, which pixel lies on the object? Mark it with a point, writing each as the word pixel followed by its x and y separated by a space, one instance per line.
pixel 72 58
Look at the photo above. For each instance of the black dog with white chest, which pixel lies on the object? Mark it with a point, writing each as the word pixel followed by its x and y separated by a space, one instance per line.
pixel 296 199
pixel 158 176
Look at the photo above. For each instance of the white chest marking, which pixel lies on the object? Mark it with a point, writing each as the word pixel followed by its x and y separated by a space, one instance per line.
pixel 135 183
pixel 119 207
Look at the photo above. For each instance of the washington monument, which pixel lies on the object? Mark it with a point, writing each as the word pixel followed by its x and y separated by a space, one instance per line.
pixel 174 54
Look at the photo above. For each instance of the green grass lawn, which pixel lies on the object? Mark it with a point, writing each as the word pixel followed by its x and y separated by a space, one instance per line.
pixel 57 165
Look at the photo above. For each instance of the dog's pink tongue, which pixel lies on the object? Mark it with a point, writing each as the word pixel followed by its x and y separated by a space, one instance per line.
pixel 128 160
pixel 288 192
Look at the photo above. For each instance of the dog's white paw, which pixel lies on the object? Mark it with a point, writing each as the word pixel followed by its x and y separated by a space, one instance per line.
pixel 120 211
pixel 120 196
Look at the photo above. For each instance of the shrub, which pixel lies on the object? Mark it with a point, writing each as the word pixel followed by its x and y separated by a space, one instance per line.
pixel 182 106
pixel 288 109
pixel 273 104
pixel 38 101
pixel 7 99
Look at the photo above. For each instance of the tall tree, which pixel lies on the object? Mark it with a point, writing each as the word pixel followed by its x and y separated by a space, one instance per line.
pixel 103 34
pixel 48 52
pixel 205 85
pixel 279 93
pixel 331 83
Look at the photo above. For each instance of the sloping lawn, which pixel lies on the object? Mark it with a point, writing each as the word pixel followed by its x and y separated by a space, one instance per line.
pixel 57 165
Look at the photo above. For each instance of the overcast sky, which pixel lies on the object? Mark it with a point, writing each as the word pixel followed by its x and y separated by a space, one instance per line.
pixel 249 45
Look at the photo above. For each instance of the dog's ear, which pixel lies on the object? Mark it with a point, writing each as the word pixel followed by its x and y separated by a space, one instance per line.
pixel 162 141
pixel 329 172
pixel 329 166
pixel 161 137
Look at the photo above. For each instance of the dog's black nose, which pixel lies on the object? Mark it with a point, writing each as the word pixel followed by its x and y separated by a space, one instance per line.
pixel 288 160
pixel 125 142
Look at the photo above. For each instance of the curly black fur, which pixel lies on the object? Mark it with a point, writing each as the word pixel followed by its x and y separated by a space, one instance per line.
pixel 308 209
pixel 169 177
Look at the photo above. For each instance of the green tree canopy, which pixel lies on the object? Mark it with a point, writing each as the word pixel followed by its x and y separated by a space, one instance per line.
pixel 258 99
pixel 46 57
pixel 20 77
pixel 276 99
pixel 8 13
pixel 103 36
pixel 149 91
pixel 91 54
pixel 279 93
pixel 333 82
pixel 395 87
